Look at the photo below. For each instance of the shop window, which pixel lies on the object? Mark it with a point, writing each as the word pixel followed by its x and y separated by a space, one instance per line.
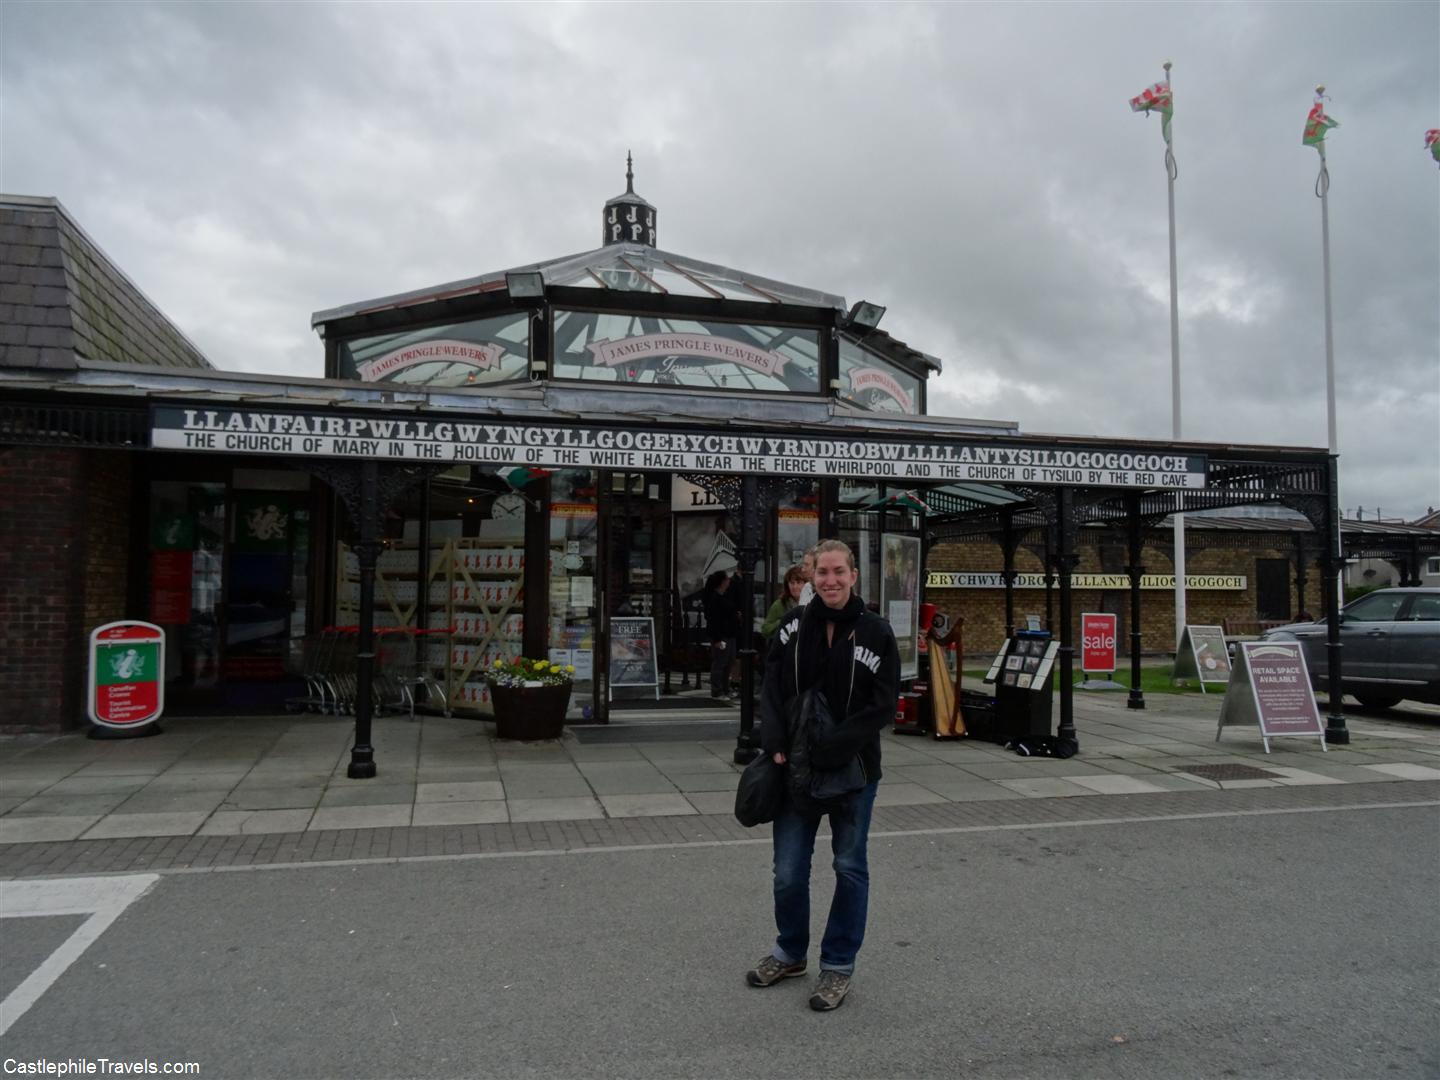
pixel 653 351
pixel 871 383
pixel 574 569
pixel 465 592
pixel 187 558
pixel 478 353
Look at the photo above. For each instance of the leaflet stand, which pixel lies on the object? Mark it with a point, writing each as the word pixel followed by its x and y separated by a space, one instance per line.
pixel 1024 687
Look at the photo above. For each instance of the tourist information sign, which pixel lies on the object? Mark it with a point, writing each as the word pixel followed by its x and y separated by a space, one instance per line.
pixel 127 674
pixel 1271 687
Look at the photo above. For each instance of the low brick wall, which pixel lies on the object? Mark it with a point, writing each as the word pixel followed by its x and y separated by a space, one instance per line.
pixel 64 568
pixel 984 609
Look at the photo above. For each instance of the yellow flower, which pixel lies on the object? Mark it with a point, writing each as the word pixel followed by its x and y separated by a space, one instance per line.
pixel 569 669
pixel 499 662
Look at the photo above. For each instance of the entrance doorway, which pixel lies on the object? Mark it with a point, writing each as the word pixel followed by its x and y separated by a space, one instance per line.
pixel 1272 590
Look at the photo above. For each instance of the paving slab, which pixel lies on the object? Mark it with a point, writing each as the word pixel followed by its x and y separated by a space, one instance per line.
pixel 1112 783
pixel 170 802
pixel 1049 787
pixel 47 805
pixel 461 813
pixel 463 791
pixel 362 817
pixel 556 787
pixel 258 798
pixel 1407 771
pixel 646 805
pixel 92 785
pixel 905 794
pixel 34 830
pixel 559 809
pixel 707 781
pixel 366 793
pixel 247 822
pixel 712 802
pixel 117 825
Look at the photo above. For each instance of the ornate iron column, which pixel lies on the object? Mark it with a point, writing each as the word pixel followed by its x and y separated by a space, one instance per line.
pixel 747 498
pixel 1302 579
pixel 367 551
pixel 1049 581
pixel 1008 544
pixel 747 744
pixel 367 488
pixel 1136 700
pixel 1066 560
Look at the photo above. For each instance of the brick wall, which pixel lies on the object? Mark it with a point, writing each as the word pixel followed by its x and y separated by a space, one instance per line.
pixel 984 609
pixel 63 569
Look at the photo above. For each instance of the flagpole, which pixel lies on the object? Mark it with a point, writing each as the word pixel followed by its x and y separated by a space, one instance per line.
pixel 1322 188
pixel 1179 519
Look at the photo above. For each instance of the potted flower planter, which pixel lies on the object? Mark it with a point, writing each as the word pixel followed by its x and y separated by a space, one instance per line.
pixel 530 712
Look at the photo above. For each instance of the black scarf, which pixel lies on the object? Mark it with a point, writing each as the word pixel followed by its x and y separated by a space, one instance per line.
pixel 817 656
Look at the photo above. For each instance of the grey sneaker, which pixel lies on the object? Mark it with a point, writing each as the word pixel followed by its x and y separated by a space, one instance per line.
pixel 770 971
pixel 830 991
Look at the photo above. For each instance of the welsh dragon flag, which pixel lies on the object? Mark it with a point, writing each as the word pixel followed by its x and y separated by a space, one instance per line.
pixel 1316 124
pixel 517 476
pixel 1157 97
pixel 1432 143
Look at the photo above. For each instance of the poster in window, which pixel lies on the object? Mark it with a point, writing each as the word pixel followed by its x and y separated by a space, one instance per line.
pixel 900 596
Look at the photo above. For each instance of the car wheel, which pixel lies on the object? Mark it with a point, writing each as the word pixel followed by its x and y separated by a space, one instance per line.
pixel 1377 701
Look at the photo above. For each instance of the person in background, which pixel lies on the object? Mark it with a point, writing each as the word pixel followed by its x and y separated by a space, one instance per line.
pixel 795 582
pixel 720 620
pixel 834 644
pixel 807 568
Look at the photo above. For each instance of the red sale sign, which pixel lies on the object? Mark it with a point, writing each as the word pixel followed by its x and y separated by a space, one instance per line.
pixel 1097 642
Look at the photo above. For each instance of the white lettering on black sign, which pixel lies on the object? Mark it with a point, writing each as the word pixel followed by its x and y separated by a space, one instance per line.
pixel 252 431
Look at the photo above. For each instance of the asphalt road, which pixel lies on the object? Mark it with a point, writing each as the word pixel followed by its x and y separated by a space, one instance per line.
pixel 1235 945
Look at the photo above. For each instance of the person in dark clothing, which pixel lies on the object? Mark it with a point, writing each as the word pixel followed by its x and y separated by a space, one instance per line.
pixel 720 625
pixel 851 654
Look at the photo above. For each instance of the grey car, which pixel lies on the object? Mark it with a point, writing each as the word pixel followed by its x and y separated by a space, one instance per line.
pixel 1391 640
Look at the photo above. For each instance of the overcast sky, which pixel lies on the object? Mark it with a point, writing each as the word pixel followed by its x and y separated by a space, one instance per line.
pixel 975 168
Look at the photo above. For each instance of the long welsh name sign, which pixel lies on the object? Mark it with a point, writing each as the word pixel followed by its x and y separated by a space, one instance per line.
pixel 940 579
pixel 560 445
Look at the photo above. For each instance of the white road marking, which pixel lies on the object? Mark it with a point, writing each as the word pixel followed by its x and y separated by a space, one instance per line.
pixel 102 898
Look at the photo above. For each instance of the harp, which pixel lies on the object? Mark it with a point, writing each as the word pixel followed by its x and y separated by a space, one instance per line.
pixel 944 701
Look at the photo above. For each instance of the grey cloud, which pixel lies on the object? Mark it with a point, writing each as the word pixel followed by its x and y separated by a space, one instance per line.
pixel 973 167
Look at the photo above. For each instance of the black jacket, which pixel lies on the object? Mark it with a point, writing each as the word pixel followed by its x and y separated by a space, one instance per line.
pixel 721 618
pixel 872 686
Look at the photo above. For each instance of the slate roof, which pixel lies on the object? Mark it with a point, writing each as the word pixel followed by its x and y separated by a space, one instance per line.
pixel 62 299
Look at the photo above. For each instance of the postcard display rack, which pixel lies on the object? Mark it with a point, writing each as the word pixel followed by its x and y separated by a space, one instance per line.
pixel 476 587
pixel 1023 676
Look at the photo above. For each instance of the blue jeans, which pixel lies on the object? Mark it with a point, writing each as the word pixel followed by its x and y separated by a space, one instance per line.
pixel 794 834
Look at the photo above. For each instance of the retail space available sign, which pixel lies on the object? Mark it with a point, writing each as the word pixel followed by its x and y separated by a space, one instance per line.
pixel 1270 687
pixel 985 580
pixel 559 445
pixel 127 667
pixel 1097 641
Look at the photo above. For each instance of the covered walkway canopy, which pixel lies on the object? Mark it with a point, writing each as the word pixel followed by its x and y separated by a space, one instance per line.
pixel 372 441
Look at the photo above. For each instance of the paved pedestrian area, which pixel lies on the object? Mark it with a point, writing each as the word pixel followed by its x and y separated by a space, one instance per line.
pixel 243 789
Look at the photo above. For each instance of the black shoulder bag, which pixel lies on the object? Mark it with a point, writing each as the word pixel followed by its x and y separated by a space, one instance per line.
pixel 761 791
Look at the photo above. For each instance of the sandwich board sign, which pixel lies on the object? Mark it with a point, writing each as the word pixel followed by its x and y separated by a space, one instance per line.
pixel 127 674
pixel 1271 687
pixel 1098 648
pixel 632 653
pixel 1202 655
